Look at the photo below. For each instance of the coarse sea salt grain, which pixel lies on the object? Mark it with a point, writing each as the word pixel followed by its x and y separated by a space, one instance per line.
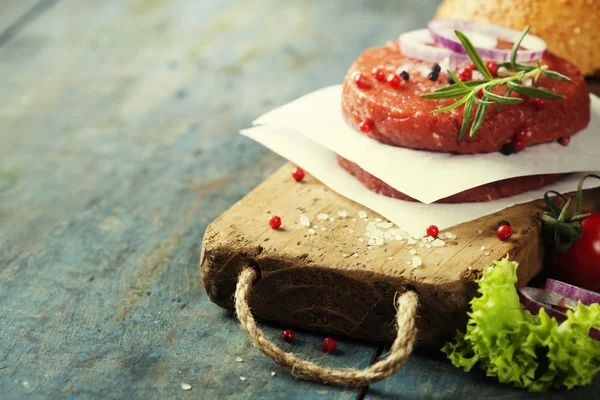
pixel 377 219
pixel 470 267
pixel 390 258
pixel 482 248
pixel 438 243
pixel 385 225
pixel 351 230
pixel 242 378
pixel 311 231
pixel 408 262
pixel 315 226
pixel 322 216
pixel 273 373
pixel 427 246
pixel 342 213
pixel 476 75
pixel 412 251
pixel 411 241
pixel 487 253
pixel 304 220
pixel 446 235
pixel 186 386
pixel 238 359
pixel 361 240
pixel 362 214
pixel 331 219
pixel 323 229
pixel 479 231
pixel 416 262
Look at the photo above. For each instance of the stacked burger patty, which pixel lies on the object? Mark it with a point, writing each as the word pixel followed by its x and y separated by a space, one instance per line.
pixel 382 99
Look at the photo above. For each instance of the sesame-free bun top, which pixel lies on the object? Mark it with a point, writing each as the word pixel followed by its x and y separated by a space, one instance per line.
pixel 571 28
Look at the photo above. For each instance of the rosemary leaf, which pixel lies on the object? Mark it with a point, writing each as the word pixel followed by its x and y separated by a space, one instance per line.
pixel 534 92
pixel 555 75
pixel 502 99
pixel 466 116
pixel 484 102
pixel 478 120
pixel 452 106
pixel 515 49
pixel 475 83
pixel 447 94
pixel 506 94
pixel 518 66
pixel 474 55
pixel 457 79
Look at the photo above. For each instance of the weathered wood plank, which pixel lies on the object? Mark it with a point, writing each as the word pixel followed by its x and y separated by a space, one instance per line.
pixel 355 283
pixel 11 11
pixel 16 14
pixel 118 145
pixel 109 178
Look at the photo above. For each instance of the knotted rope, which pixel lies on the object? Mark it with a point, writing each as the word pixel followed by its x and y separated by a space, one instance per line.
pixel 406 306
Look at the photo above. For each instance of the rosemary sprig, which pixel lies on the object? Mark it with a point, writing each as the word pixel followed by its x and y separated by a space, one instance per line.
pixel 511 77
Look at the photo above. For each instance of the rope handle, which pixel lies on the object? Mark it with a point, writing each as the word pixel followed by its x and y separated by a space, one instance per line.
pixel 406 306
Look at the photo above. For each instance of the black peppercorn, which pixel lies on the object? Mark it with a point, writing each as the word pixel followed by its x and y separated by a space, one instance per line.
pixel 404 75
pixel 507 149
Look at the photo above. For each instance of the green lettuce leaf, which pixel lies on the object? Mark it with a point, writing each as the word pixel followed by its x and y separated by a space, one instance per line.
pixel 530 351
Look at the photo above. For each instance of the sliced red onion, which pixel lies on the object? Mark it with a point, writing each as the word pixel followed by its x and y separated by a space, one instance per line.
pixel 485 37
pixel 420 45
pixel 567 291
pixel 535 299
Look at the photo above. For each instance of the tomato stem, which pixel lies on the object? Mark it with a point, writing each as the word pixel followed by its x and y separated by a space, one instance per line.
pixel 559 228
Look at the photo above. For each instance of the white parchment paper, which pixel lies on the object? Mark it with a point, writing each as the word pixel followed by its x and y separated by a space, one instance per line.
pixel 412 217
pixel 423 175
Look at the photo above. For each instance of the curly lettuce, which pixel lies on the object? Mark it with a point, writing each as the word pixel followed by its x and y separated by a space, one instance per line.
pixel 534 352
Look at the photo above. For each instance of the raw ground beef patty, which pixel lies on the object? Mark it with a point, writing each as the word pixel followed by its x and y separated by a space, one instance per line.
pixel 487 192
pixel 400 117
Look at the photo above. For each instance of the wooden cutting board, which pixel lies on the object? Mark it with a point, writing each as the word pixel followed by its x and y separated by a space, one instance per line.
pixel 327 279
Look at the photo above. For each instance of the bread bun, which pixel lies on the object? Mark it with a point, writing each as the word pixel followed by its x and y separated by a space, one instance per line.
pixel 571 28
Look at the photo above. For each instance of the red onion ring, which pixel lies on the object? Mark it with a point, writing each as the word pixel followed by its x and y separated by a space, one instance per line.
pixel 442 31
pixel 414 44
pixel 535 299
pixel 567 291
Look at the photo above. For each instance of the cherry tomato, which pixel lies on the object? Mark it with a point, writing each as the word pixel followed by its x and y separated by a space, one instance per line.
pixel 580 265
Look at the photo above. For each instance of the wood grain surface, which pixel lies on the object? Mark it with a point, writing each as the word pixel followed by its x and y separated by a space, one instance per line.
pixel 118 146
pixel 329 278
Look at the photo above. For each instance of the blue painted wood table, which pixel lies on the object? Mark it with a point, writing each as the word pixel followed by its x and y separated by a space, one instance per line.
pixel 118 145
